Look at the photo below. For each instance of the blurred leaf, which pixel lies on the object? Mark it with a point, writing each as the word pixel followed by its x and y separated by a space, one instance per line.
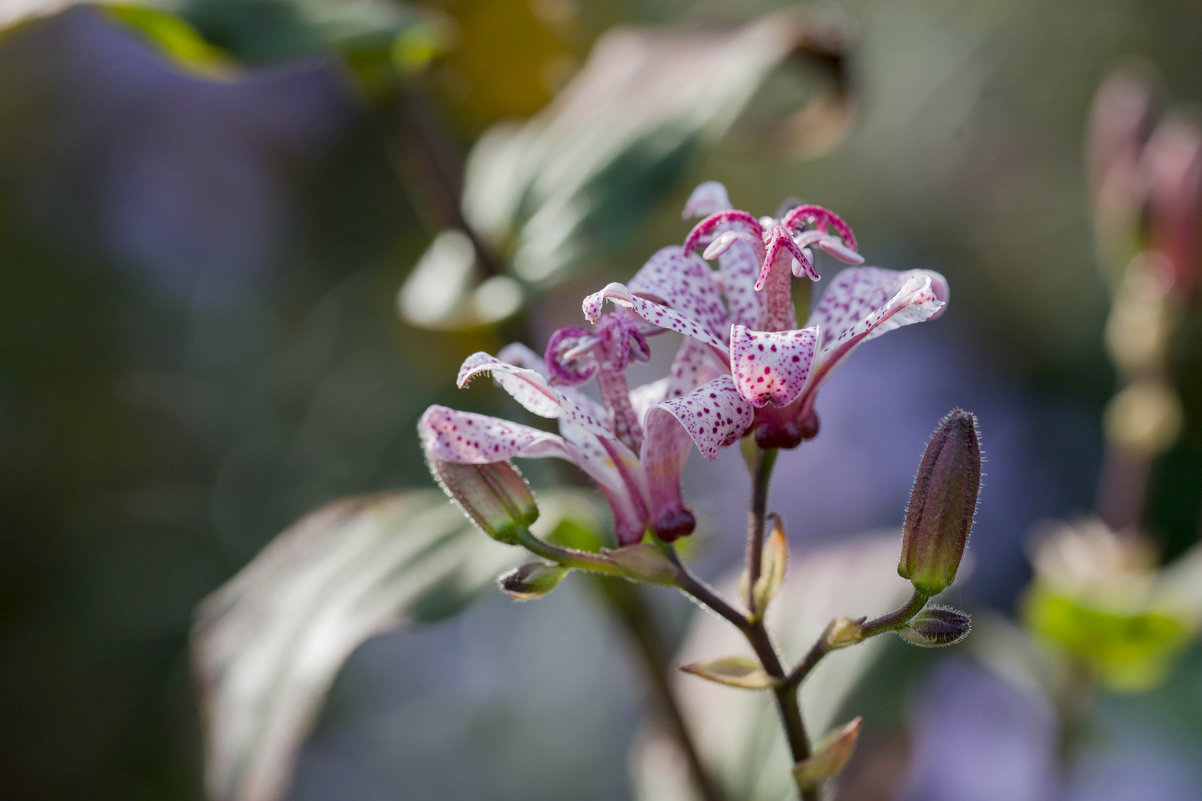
pixel 733 671
pixel 445 291
pixel 172 36
pixel 1127 649
pixel 377 38
pixel 739 734
pixel 577 178
pixel 267 31
pixel 268 644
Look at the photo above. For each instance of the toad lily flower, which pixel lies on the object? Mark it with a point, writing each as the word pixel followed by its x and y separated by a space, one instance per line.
pixel 633 444
pixel 743 314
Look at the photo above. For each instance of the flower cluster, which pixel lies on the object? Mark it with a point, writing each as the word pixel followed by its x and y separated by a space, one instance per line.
pixel 743 366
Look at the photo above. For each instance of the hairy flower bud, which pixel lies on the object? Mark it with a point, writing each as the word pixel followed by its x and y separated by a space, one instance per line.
pixel 494 496
pixel 942 504
pixel 936 627
pixel 531 581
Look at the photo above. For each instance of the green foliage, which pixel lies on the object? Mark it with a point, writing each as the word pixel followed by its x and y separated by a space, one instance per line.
pixel 1126 649
pixel 268 644
pixel 577 179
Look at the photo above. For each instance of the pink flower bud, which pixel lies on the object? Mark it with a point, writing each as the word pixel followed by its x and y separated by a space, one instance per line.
pixel 942 504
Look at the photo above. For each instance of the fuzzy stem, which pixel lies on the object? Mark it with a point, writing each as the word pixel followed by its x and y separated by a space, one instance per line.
pixel 568 557
pixel 885 623
pixel 764 461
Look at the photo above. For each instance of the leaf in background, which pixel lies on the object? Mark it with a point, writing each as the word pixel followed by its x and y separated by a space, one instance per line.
pixel 268 644
pixel 377 38
pixel 577 178
pixel 738 734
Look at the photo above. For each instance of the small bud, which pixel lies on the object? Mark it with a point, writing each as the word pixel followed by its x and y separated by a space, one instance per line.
pixel 936 627
pixel 733 671
pixel 643 562
pixel 942 504
pixel 842 632
pixel 494 496
pixel 829 758
pixel 532 581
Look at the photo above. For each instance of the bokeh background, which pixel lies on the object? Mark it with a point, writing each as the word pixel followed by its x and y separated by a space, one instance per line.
pixel 207 215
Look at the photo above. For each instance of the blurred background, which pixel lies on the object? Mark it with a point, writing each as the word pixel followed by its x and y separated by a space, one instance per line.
pixel 244 244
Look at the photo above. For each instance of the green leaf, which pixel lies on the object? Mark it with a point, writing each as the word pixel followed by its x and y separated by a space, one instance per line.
pixel 733 671
pixel 580 176
pixel 172 36
pixel 1128 649
pixel 738 734
pixel 268 644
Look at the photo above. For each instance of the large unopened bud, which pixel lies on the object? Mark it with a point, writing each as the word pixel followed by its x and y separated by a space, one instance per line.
pixel 942 504
pixel 494 496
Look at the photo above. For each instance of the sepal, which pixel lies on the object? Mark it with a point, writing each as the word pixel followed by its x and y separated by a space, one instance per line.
pixel 494 495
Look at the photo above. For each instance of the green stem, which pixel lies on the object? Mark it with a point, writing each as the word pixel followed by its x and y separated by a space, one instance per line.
pixel 568 557
pixel 762 474
pixel 757 636
pixel 885 623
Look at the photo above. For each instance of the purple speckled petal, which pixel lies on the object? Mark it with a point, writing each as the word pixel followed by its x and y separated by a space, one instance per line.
pixel 520 355
pixel 694 365
pixel 654 313
pixel 864 302
pixel 739 255
pixel 708 198
pixel 772 366
pixel 685 284
pixel 534 392
pixel 713 415
pixel 467 438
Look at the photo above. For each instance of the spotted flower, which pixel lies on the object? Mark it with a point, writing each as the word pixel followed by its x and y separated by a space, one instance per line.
pixel 742 315
pixel 632 444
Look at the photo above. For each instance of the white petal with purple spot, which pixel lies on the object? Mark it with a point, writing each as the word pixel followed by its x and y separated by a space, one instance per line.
pixel 772 366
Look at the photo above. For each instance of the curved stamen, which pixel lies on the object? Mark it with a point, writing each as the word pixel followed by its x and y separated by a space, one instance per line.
pixel 714 220
pixel 831 245
pixel 564 356
pixel 821 218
